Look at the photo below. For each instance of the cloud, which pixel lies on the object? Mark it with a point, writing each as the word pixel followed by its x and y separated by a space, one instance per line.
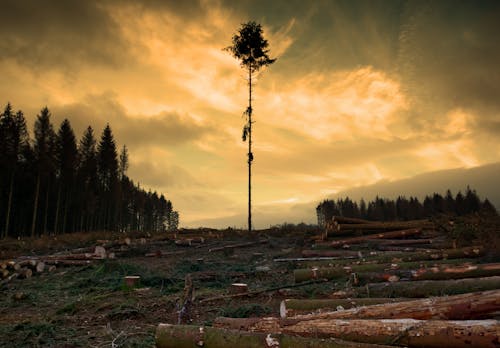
pixel 60 35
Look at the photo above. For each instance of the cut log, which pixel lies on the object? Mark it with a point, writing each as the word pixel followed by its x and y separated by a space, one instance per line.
pixel 310 259
pixel 5 273
pixel 183 242
pixel 477 305
pixel 469 252
pixel 238 288
pixel 441 272
pixel 293 307
pixel 239 245
pixel 40 267
pixel 377 271
pixel 347 220
pixel 426 288
pixel 329 253
pixel 14 266
pixel 25 273
pixel 384 226
pixel 57 262
pixel 407 332
pixel 367 238
pixel 400 242
pixel 187 336
pixel 100 252
pixel 9 279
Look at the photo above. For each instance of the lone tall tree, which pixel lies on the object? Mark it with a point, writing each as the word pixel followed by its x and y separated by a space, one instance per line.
pixel 250 48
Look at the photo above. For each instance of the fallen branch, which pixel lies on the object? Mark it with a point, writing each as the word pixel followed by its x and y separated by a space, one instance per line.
pixel 234 246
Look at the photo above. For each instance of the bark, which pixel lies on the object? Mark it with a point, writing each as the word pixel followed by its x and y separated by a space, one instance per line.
pixel 58 203
pixel 442 272
pixel 188 336
pixel 393 234
pixel 477 305
pixel 57 262
pixel 293 307
pixel 426 288
pixel 408 332
pixel 185 312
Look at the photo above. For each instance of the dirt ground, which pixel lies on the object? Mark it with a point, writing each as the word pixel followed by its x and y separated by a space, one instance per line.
pixel 89 306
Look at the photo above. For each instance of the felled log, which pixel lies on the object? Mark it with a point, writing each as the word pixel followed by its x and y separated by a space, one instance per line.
pixel 407 332
pixel 25 273
pixel 183 242
pixel 293 307
pixel 477 305
pixel 186 336
pixel 309 259
pixel 9 279
pixel 367 270
pixel 329 253
pixel 63 262
pixel 367 238
pixel 384 226
pixel 239 245
pixel 159 253
pixel 4 273
pixel 347 220
pixel 426 288
pixel 440 272
pixel 13 265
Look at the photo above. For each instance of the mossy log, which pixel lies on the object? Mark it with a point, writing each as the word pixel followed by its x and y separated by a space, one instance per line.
pixel 426 288
pixel 477 305
pixel 407 332
pixel 190 336
pixel 293 307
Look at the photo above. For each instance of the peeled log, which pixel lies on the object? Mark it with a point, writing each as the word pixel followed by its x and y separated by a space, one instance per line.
pixel 189 336
pixel 293 307
pixel 393 234
pixel 408 332
pixel 477 305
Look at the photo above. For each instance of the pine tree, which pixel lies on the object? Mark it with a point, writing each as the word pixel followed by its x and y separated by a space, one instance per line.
pixel 44 151
pixel 250 48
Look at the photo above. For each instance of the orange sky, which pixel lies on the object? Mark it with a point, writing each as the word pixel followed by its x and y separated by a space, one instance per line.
pixel 362 91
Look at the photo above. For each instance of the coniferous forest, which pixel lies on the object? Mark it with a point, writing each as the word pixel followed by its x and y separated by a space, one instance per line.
pixel 403 208
pixel 52 183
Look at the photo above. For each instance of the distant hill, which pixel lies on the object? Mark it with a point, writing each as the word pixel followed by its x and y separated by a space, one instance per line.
pixel 484 179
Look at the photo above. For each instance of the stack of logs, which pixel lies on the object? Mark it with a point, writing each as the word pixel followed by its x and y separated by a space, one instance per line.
pixel 395 284
pixel 26 266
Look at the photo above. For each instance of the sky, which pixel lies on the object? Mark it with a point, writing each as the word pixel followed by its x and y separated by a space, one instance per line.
pixel 362 92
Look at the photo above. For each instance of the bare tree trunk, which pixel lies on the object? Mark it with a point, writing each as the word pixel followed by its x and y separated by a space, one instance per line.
pixel 56 223
pixel 250 155
pixel 9 205
pixel 35 206
pixel 46 212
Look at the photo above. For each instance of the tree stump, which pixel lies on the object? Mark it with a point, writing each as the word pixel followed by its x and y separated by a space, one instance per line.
pixel 131 282
pixel 238 288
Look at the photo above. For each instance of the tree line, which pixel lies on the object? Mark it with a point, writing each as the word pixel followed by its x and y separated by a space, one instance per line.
pixel 382 209
pixel 51 184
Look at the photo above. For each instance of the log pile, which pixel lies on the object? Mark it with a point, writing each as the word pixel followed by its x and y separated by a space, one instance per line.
pixel 416 290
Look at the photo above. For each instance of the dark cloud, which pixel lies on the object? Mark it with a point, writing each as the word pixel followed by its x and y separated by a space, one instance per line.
pixel 165 129
pixel 448 56
pixel 60 34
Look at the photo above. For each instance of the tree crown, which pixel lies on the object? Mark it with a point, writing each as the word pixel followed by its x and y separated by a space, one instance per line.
pixel 250 47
